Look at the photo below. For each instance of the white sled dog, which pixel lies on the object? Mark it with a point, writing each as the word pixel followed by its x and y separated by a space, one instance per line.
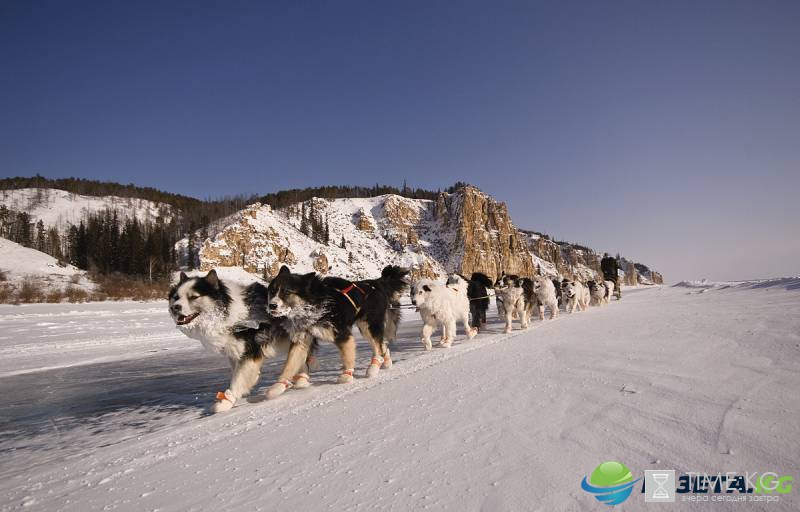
pixel 609 291
pixel 444 305
pixel 518 299
pixel 231 320
pixel 574 295
pixel 600 292
pixel 545 292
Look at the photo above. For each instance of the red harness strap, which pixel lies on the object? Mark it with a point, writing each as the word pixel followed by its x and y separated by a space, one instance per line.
pixel 349 289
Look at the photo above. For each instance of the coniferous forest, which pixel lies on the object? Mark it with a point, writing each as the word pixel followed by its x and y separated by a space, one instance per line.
pixel 107 242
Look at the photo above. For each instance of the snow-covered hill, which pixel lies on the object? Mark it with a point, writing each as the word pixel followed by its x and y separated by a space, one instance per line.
pixel 19 263
pixel 60 209
pixel 263 237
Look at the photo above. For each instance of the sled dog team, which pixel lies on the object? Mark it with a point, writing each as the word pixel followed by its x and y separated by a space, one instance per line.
pixel 248 324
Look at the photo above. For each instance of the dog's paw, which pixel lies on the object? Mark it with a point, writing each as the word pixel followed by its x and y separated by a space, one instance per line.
pixel 301 381
pixel 345 378
pixel 472 333
pixel 372 370
pixel 387 362
pixel 277 389
pixel 221 406
pixel 507 330
pixel 428 345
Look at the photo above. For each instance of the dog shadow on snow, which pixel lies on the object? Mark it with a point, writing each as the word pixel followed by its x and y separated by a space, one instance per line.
pixel 135 393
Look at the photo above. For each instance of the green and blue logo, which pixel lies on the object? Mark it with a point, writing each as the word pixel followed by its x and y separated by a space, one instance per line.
pixel 611 483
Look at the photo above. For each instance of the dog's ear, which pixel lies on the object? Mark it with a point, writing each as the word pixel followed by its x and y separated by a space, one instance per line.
pixel 212 279
pixel 183 278
pixel 426 288
pixel 284 271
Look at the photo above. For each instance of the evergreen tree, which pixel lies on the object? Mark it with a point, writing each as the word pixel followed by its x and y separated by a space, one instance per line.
pixel 327 235
pixel 341 244
pixel 190 254
pixel 5 222
pixel 41 237
pixel 82 247
pixel 22 228
pixel 54 244
pixel 303 221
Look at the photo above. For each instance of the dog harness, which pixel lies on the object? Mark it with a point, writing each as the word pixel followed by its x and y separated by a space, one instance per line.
pixel 346 293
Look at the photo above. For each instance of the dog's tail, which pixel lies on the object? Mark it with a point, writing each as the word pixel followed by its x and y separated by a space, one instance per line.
pixel 394 284
pixel 393 281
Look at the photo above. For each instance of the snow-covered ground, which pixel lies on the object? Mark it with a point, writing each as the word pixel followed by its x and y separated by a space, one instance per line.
pixel 103 410
pixel 19 263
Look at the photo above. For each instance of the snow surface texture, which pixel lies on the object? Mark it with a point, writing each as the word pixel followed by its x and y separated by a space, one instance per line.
pixel 18 263
pixel 664 379
pixel 60 209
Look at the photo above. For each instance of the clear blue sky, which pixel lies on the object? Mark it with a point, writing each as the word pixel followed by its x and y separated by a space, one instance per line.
pixel 667 130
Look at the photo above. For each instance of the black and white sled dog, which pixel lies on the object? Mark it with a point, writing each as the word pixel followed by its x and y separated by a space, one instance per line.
pixel 575 295
pixel 517 298
pixel 442 304
pixel 600 291
pixel 326 308
pixel 231 320
pixel 478 293
pixel 545 293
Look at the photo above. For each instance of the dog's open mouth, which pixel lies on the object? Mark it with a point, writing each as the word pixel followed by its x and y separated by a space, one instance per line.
pixel 185 319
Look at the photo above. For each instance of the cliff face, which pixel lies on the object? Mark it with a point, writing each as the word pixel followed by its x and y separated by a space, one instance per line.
pixel 466 231
pixel 248 244
pixel 485 238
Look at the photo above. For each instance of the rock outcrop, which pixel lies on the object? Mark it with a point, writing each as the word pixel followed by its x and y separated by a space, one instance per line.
pixel 466 231
pixel 249 245
pixel 485 238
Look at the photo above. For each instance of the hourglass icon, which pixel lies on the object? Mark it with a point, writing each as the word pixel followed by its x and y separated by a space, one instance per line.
pixel 660 485
pixel 660 479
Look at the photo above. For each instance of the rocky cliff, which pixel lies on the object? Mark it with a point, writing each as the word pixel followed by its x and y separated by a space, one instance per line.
pixel 466 231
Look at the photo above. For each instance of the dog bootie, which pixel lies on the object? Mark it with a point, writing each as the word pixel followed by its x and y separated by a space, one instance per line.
pixel 224 401
pixel 278 388
pixel 301 380
pixel 346 377
pixel 374 366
